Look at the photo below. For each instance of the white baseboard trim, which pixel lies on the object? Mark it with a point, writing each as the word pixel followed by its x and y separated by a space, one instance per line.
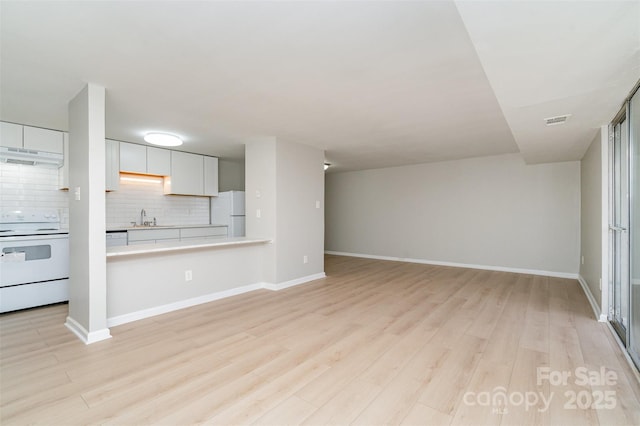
pixel 291 283
pixel 461 265
pixel 592 300
pixel 170 307
pixel 86 337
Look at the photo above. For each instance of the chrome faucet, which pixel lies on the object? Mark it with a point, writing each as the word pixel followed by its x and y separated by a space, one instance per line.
pixel 143 215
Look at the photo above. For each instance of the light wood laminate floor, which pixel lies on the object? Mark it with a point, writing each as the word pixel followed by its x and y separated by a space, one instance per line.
pixel 376 342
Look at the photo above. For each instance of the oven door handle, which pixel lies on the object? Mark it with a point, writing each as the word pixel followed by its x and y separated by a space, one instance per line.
pixel 13 256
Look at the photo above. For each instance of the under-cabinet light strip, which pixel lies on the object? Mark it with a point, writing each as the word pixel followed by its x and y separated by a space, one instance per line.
pixel 140 179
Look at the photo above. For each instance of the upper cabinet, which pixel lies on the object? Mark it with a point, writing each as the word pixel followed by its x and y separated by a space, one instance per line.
pixel 192 174
pixel 210 176
pixel 187 174
pixel 11 135
pixel 144 159
pixel 42 139
pixel 112 165
pixel 63 172
pixel 133 158
pixel 19 136
pixel 158 161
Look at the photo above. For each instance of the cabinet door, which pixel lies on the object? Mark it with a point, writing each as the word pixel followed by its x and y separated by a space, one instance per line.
pixel 158 161
pixel 152 235
pixel 133 158
pixel 210 176
pixel 187 172
pixel 10 135
pixel 112 165
pixel 42 139
pixel 204 232
pixel 63 172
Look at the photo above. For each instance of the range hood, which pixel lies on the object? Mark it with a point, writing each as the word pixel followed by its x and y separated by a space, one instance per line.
pixel 30 157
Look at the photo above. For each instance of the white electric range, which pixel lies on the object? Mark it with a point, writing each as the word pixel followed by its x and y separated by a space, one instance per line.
pixel 34 259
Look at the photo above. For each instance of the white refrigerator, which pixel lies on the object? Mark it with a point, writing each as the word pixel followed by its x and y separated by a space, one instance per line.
pixel 228 209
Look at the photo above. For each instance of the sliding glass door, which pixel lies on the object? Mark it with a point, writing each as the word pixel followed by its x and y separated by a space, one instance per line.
pixel 619 226
pixel 624 226
pixel 634 227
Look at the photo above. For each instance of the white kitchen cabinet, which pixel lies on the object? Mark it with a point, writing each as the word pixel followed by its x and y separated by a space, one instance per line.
pixel 11 135
pixel 112 165
pixel 144 159
pixel 210 176
pixel 63 172
pixel 151 235
pixel 35 138
pixel 164 235
pixel 133 158
pixel 168 240
pixel 203 232
pixel 42 139
pixel 158 161
pixel 187 174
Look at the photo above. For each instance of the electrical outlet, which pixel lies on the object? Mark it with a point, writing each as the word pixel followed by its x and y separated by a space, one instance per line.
pixel 317 204
pixel 305 259
pixel 188 275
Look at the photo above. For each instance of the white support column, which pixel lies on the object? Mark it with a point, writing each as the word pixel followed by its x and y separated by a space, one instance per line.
pixel 260 198
pixel 87 273
pixel 285 203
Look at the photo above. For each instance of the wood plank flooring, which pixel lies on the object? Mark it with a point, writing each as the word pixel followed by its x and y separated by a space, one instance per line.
pixel 374 343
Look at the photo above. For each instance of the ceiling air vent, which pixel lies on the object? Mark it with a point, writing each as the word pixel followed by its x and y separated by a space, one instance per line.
pixel 559 119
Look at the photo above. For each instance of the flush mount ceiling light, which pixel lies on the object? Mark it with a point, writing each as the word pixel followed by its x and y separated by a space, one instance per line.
pixel 162 139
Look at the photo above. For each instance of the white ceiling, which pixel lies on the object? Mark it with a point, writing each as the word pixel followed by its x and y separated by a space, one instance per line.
pixel 375 84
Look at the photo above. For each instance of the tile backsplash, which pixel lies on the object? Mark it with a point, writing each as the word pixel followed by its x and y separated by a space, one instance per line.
pixel 123 206
pixel 31 187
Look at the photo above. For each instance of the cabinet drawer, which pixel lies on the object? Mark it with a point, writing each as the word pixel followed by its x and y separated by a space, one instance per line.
pixel 152 234
pixel 210 231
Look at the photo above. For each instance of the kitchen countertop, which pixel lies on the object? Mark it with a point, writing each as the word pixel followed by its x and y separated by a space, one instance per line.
pixel 182 245
pixel 136 228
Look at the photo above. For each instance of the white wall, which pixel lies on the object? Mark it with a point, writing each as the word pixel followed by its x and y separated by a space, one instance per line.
pixel 230 175
pixel 33 188
pixel 591 217
pixel 156 281
pixel 491 211
pixel 123 206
